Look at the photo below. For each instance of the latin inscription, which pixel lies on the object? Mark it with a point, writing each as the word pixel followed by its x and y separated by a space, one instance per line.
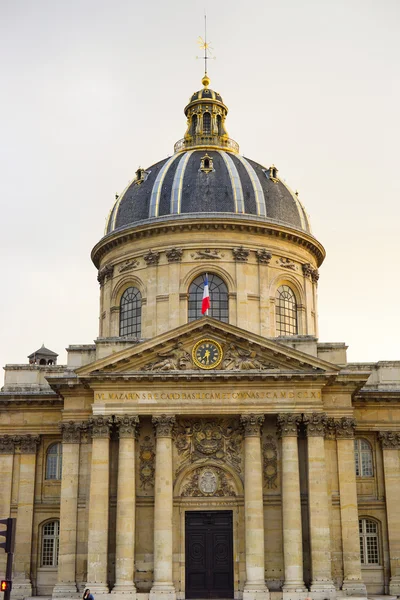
pixel 146 396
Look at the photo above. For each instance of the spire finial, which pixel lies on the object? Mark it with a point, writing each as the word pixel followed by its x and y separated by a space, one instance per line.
pixel 206 46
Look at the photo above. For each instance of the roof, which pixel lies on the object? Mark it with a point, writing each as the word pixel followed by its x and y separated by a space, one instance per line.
pixel 43 351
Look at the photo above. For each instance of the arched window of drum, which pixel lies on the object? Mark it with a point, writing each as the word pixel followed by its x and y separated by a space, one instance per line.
pixel 206 122
pixel 218 291
pixel 194 125
pixel 369 542
pixel 50 544
pixel 54 461
pixel 286 311
pixel 219 124
pixel 130 314
pixel 363 458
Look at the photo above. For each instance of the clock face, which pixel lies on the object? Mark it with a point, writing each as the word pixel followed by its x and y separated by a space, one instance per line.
pixel 207 354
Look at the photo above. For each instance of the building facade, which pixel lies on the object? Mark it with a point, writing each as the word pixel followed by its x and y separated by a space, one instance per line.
pixel 230 455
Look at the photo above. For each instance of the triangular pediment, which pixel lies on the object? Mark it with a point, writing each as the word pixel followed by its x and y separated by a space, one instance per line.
pixel 207 347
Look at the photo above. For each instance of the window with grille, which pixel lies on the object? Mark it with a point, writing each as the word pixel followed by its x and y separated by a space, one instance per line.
pixel 369 546
pixel 218 298
pixel 130 314
pixel 286 311
pixel 194 125
pixel 206 123
pixel 54 461
pixel 50 544
pixel 363 458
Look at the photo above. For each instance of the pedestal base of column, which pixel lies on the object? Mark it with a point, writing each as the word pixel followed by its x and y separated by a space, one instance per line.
pixel 162 592
pixel 320 590
pixel 394 586
pixel 97 588
pixel 21 589
pixel 66 590
pixel 255 591
pixel 354 588
pixel 125 589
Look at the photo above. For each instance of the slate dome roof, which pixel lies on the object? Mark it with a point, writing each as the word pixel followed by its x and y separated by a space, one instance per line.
pixel 233 184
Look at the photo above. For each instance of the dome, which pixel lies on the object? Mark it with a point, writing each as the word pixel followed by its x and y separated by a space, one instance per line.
pixel 207 182
pixel 206 94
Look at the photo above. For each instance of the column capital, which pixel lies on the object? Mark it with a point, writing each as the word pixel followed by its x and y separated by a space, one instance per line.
pixel 28 443
pixel 71 431
pixel 345 428
pixel 163 425
pixel 287 424
pixel 252 424
pixel 315 424
pixel 100 426
pixel 7 444
pixel 390 440
pixel 126 425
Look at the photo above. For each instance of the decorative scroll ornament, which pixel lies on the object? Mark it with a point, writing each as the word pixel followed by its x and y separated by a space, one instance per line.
pixel 105 274
pixel 7 444
pixel 240 254
pixel 126 425
pixel 175 359
pixel 209 481
pixel 311 272
pixel 71 431
pixel 174 255
pixel 315 275
pixel 287 424
pixel 315 424
pixel 151 258
pixel 163 425
pixel 129 265
pixel 100 426
pixel 27 443
pixel 208 254
pixel 390 440
pixel 236 358
pixel 252 424
pixel 286 263
pixel 270 462
pixel 147 457
pixel 205 440
pixel 345 428
pixel 263 256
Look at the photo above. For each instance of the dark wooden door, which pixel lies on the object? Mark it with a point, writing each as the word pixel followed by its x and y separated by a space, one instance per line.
pixel 209 554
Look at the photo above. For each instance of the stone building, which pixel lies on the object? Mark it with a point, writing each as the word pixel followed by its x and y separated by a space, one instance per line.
pixel 225 456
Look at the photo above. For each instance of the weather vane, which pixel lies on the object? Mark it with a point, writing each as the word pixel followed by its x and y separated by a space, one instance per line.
pixel 206 46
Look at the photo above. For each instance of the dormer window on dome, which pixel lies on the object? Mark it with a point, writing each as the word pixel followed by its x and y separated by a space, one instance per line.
pixel 140 176
pixel 206 164
pixel 272 173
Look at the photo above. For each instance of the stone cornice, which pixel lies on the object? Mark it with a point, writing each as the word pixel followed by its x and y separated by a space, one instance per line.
pixel 201 222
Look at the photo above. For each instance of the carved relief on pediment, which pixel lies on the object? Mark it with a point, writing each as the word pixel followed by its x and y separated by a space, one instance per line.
pixel 203 440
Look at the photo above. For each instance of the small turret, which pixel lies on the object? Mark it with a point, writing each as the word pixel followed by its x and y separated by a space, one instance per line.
pixel 43 356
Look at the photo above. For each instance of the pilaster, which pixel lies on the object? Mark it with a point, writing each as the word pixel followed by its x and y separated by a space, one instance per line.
pixel 163 587
pixel 97 575
pixel 253 509
pixel 126 502
pixel 291 505
pixel 7 448
pixel 390 441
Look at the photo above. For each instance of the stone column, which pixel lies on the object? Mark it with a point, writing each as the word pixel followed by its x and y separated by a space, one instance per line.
pixel 22 585
pixel 253 509
pixel 163 587
pixel 318 507
pixel 391 463
pixel 6 476
pixel 291 505
pixel 352 580
pixel 97 575
pixel 66 577
pixel 126 502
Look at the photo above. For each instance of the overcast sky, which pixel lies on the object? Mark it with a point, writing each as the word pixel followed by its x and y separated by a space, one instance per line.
pixel 91 89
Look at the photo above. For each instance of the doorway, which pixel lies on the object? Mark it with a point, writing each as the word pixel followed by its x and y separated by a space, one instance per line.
pixel 209 554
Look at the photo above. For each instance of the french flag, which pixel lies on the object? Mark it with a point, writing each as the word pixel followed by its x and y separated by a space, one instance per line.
pixel 205 305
